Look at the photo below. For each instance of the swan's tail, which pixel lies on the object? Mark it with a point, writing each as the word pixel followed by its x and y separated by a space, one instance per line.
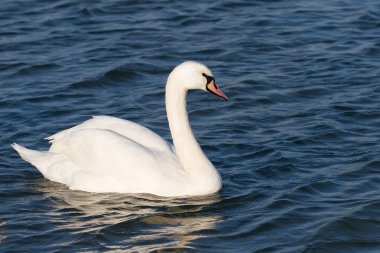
pixel 39 159
pixel 53 166
pixel 26 154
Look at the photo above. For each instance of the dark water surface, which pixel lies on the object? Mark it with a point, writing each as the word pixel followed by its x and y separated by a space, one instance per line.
pixel 297 145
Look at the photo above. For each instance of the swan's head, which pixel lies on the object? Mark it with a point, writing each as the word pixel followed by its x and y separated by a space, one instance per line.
pixel 193 75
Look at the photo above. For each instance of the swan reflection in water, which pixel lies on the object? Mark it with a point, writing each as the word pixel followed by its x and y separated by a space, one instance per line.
pixel 134 222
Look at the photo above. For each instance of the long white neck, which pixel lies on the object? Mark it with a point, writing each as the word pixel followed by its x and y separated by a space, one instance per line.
pixel 201 172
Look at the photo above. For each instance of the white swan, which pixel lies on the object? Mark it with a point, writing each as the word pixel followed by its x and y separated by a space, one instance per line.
pixel 107 154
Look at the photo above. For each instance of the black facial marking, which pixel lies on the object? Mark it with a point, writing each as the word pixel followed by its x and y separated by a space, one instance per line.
pixel 208 78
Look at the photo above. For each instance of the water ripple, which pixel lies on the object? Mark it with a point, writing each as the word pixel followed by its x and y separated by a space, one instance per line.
pixel 297 144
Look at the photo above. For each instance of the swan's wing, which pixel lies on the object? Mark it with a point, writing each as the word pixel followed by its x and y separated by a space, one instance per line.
pixel 127 128
pixel 98 160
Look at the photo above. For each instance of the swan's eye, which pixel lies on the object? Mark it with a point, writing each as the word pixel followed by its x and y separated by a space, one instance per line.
pixel 208 78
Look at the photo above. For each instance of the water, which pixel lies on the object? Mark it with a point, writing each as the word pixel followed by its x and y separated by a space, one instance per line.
pixel 297 145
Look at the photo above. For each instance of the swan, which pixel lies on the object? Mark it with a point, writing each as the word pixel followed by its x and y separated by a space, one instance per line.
pixel 108 154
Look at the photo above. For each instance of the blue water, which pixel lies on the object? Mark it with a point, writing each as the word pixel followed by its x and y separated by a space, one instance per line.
pixel 297 145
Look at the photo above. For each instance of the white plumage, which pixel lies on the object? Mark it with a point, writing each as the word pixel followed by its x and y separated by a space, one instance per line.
pixel 107 154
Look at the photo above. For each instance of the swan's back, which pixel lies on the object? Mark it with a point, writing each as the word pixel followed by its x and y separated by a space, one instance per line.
pixel 126 128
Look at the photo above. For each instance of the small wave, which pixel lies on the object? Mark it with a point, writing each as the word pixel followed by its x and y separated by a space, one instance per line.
pixel 113 77
pixel 37 69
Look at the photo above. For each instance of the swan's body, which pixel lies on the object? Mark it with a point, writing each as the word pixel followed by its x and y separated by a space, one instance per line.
pixel 107 154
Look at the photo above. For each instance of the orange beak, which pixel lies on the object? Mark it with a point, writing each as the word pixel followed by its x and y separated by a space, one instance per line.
pixel 213 88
